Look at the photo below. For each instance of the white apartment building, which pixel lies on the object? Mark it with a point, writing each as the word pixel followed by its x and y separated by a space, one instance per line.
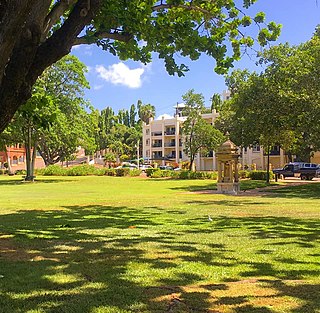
pixel 162 142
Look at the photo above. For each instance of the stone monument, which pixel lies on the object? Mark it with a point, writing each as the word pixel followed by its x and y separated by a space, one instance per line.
pixel 228 170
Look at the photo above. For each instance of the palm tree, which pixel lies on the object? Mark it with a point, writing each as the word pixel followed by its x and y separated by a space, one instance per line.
pixel 146 111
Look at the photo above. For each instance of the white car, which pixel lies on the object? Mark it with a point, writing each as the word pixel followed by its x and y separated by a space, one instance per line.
pixel 144 167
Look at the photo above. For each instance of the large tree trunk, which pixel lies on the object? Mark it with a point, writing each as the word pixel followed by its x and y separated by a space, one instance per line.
pixel 26 53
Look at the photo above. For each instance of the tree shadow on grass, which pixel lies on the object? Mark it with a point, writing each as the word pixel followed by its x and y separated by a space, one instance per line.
pixel 306 191
pixel 21 181
pixel 89 257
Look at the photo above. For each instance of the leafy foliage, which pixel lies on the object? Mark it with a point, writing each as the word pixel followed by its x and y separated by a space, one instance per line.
pixel 198 135
pixel 42 32
pixel 279 105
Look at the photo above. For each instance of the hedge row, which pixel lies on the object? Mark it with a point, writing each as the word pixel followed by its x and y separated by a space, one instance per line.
pixel 260 175
pixel 183 174
pixel 85 170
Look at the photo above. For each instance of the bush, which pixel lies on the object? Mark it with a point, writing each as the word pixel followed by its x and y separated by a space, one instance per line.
pixel 110 172
pixel 3 171
pixel 244 174
pixel 21 172
pixel 100 171
pixel 149 171
pixel 82 170
pixel 184 174
pixel 161 173
pixel 135 172
pixel 122 171
pixel 260 175
pixel 52 170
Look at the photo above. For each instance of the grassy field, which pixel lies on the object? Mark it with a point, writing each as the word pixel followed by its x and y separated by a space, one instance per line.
pixel 114 244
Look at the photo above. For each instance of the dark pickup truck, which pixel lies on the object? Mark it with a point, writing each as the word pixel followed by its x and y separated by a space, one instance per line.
pixel 305 171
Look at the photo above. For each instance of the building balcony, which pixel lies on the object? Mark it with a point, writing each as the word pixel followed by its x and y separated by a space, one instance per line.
pixel 156 145
pixel 156 133
pixel 169 144
pixel 170 133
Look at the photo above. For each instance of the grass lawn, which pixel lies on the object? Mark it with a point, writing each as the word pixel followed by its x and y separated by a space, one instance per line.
pixel 114 244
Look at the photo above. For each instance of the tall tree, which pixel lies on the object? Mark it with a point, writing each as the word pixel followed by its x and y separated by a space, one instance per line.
pixel 132 117
pixel 34 34
pixel 146 111
pixel 216 102
pixel 197 133
pixel 54 121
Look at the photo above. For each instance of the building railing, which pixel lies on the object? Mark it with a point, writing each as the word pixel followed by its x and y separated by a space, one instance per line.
pixel 170 132
pixel 169 144
pixel 156 145
pixel 156 133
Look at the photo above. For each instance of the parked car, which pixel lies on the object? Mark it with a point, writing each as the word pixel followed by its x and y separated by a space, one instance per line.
pixel 144 167
pixel 166 168
pixel 131 166
pixel 305 171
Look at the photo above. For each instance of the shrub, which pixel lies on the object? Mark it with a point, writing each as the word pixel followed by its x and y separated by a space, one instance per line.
pixel 21 172
pixel 195 175
pixel 82 170
pixel 122 171
pixel 244 174
pixel 156 174
pixel 52 170
pixel 162 173
pixel 3 171
pixel 135 172
pixel 100 171
pixel 110 172
pixel 260 175
pixel 149 171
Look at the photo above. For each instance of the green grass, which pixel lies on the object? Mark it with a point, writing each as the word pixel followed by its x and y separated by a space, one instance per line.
pixel 119 244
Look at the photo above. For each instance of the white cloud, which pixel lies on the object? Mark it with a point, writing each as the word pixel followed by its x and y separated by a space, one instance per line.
pixel 97 87
pixel 88 51
pixel 121 74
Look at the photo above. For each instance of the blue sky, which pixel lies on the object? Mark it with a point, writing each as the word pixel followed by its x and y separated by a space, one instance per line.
pixel 119 84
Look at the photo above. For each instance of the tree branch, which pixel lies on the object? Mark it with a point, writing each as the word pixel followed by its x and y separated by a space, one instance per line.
pixel 103 35
pixel 56 12
pixel 60 43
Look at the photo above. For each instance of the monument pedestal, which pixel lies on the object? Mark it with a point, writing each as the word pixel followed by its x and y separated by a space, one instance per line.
pixel 228 188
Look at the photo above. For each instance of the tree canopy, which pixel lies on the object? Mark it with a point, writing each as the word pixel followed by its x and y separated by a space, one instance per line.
pixel 55 121
pixel 198 135
pixel 279 105
pixel 34 34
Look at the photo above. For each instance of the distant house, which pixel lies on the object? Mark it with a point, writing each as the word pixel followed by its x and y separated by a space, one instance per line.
pixel 16 157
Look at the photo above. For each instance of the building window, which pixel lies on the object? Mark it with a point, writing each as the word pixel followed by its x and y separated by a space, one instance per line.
pixel 256 148
pixel 148 142
pixel 14 160
pixel 147 131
